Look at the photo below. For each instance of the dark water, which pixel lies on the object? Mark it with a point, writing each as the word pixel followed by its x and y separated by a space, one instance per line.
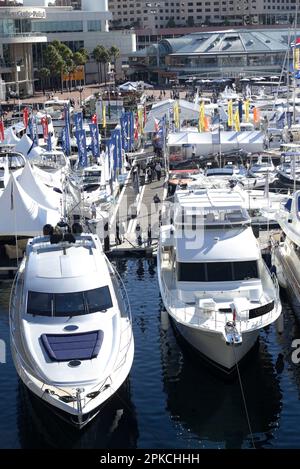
pixel 171 400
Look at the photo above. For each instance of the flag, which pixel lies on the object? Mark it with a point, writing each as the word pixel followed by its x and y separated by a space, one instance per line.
pixel 280 121
pixel 296 57
pixel 230 113
pixel 236 119
pixel 25 117
pixel 141 119
pixel 94 119
pixel 66 145
pixel 49 142
pixel 136 127
pixel 256 115
pixel 103 116
pixel 176 115
pixel 95 140
pixel 82 150
pixel 201 123
pixel 206 123
pixel 44 122
pixel 78 121
pixel 240 107
pixel 2 130
pixel 156 125
pixel 67 114
pixel 247 110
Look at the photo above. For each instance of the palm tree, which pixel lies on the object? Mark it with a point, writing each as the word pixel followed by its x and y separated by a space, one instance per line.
pixel 114 53
pixel 97 56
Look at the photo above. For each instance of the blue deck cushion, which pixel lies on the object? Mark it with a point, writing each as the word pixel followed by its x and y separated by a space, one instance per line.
pixel 65 347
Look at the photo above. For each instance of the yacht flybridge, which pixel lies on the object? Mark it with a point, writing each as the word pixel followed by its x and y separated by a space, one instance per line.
pixel 70 324
pixel 213 281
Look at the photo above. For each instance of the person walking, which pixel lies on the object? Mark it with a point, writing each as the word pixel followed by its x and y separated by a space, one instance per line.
pixel 138 234
pixel 93 210
pixel 149 175
pixel 158 170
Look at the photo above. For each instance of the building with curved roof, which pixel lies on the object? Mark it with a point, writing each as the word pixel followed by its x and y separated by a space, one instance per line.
pixel 227 53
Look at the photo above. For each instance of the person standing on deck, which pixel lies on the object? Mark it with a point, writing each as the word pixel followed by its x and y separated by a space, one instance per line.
pixel 158 170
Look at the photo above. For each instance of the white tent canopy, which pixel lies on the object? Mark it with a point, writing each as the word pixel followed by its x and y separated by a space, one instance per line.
pixel 24 145
pixel 188 111
pixel 37 190
pixel 10 137
pixel 21 215
pixel 201 143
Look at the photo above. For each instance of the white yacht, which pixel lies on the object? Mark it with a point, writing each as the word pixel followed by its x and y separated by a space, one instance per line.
pixel 51 161
pixel 289 169
pixel 10 160
pixel 262 165
pixel 55 108
pixel 218 294
pixel 286 253
pixel 70 324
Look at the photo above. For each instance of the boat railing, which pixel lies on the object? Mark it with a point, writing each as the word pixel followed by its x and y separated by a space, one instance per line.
pixel 127 332
pixel 214 319
pixel 45 386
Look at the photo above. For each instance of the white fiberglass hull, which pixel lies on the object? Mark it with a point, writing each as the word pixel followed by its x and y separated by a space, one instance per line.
pixel 69 411
pixel 212 346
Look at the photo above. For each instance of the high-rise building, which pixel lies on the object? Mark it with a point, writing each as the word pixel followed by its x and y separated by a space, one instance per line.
pixel 171 13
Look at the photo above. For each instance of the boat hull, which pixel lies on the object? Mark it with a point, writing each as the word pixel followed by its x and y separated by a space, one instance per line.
pixel 212 346
pixel 67 412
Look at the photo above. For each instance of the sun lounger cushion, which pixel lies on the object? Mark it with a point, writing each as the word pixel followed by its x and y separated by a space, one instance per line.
pixel 65 347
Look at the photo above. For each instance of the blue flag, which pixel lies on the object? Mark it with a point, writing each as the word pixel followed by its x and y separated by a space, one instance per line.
pixel 66 146
pixel 95 140
pixel 82 151
pixel 78 121
pixel 49 142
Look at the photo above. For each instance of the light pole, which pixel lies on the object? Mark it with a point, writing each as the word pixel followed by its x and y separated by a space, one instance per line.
pixel 80 89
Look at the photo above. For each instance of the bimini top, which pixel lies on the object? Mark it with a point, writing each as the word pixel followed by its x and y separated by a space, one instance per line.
pixel 65 266
pixel 210 207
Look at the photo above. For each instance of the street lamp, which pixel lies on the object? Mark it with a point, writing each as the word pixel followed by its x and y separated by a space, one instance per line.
pixel 80 89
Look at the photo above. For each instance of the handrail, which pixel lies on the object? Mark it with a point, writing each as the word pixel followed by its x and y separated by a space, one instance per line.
pixel 194 317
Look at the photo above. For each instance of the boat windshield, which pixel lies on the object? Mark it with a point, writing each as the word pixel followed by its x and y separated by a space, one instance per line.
pixel 69 304
pixel 216 271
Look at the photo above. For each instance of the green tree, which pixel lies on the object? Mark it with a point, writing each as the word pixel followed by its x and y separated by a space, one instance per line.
pixel 44 74
pixel 101 56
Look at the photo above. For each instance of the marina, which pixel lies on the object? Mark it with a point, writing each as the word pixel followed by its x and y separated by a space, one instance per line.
pixel 150 237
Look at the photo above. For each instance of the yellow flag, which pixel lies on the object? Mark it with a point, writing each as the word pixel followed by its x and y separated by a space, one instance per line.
pixel 296 58
pixel 201 125
pixel 236 119
pixel 141 119
pixel 230 113
pixel 176 115
pixel 246 109
pixel 103 116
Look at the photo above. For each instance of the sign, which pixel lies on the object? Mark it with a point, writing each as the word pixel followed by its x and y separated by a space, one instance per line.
pixel 23 12
pixel 77 75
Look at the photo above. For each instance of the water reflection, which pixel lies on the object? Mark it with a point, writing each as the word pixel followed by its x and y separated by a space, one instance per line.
pixel 115 426
pixel 211 408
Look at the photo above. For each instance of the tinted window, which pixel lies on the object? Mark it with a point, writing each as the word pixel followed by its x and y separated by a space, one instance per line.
pixel 69 304
pixel 190 272
pixel 244 270
pixel 98 299
pixel 39 303
pixel 218 271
